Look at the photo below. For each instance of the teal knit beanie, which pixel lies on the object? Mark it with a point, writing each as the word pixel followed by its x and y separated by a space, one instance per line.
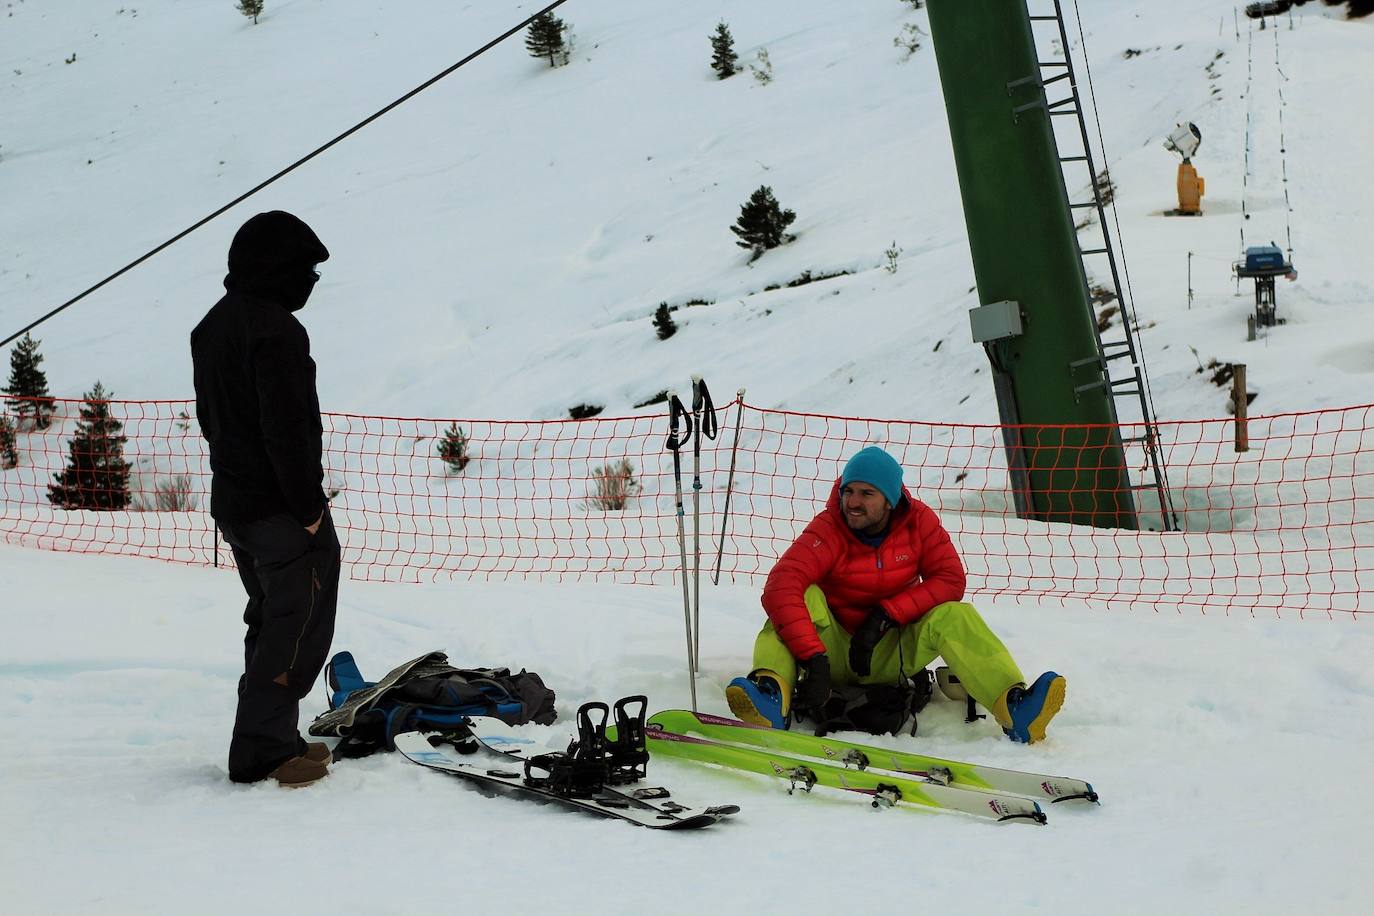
pixel 874 466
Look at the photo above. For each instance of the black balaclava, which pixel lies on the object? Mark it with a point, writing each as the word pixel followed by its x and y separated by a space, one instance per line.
pixel 273 256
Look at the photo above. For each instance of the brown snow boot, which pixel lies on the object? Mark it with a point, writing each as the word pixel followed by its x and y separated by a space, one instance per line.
pixel 318 752
pixel 299 771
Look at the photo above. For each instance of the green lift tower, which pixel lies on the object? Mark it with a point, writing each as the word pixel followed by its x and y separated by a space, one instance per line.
pixel 1051 368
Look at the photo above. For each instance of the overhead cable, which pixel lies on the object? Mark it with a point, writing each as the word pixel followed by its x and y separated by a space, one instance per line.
pixel 286 171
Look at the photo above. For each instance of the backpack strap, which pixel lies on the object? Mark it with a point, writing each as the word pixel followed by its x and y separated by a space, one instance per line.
pixel 366 737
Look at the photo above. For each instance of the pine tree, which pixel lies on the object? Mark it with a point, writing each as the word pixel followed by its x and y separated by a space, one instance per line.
pixel 453 448
pixel 9 454
pixel 29 383
pixel 96 476
pixel 663 322
pixel 723 55
pixel 251 8
pixel 762 224
pixel 545 38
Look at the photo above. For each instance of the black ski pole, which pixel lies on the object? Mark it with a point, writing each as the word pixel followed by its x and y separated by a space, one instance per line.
pixel 704 416
pixel 729 484
pixel 678 412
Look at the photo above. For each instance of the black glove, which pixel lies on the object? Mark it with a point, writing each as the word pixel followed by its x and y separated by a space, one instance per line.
pixel 866 639
pixel 814 688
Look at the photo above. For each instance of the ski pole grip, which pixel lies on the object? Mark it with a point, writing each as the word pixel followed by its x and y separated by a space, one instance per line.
pixel 676 412
pixel 702 403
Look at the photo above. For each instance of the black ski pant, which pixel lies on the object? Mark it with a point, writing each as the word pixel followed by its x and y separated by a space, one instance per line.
pixel 292 580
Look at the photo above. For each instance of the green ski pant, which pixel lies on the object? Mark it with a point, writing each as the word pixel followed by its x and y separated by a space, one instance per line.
pixel 953 631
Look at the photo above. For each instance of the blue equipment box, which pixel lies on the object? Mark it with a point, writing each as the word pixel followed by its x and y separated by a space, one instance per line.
pixel 1263 257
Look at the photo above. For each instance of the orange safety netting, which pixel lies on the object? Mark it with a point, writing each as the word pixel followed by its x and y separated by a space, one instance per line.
pixel 1287 526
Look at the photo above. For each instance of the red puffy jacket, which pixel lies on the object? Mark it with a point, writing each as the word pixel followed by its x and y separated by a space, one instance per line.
pixel 914 569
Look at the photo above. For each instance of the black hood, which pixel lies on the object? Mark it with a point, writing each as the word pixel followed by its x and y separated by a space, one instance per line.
pixel 273 256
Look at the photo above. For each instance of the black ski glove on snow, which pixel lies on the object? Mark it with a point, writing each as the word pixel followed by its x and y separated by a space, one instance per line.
pixel 866 639
pixel 814 688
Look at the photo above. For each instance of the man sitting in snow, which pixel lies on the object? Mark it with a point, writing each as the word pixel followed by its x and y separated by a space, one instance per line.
pixel 870 594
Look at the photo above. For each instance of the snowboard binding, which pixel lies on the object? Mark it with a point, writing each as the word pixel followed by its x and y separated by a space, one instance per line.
pixel 582 770
pixel 629 752
pixel 592 761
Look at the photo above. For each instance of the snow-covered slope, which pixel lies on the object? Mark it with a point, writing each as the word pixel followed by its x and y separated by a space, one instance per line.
pixel 1229 753
pixel 500 242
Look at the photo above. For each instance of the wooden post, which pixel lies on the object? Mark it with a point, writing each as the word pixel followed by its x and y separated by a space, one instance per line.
pixel 1239 399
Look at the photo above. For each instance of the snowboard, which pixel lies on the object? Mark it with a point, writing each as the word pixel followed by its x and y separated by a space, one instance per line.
pixel 506 770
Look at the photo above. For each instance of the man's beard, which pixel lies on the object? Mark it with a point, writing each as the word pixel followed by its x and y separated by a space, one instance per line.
pixel 867 524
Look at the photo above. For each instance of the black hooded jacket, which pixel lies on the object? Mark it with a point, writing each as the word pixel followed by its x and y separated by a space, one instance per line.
pixel 255 380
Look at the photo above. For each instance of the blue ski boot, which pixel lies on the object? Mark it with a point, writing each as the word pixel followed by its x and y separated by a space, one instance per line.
pixel 759 699
pixel 343 677
pixel 1030 710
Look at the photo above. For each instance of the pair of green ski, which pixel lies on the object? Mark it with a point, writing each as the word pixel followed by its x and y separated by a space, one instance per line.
pixel 888 777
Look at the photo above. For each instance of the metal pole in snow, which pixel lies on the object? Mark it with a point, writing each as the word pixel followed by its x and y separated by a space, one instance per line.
pixel 1190 280
pixel 704 416
pixel 729 484
pixel 696 526
pixel 675 412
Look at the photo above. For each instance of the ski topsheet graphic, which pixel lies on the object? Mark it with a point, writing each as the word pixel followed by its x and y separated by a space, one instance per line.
pixel 957 773
pixel 882 788
pixel 886 777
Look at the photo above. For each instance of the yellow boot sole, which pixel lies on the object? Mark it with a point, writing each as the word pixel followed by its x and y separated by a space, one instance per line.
pixel 1054 701
pixel 744 708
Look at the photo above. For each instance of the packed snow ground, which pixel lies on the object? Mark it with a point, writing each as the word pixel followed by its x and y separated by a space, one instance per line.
pixel 499 245
pixel 1229 753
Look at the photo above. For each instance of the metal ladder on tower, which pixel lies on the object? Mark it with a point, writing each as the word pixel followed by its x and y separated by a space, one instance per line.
pixel 1130 380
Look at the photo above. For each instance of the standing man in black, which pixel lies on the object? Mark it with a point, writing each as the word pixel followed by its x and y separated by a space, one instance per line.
pixel 260 415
